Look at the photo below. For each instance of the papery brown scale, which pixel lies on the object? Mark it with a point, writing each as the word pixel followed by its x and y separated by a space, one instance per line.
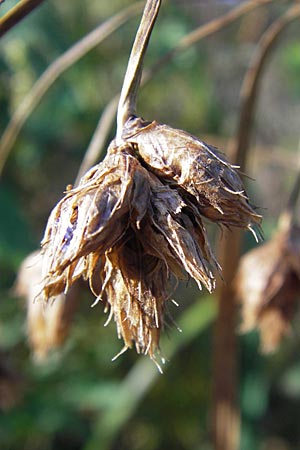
pixel 135 289
pixel 155 244
pixel 199 169
pixel 274 319
pixel 95 215
pixel 187 241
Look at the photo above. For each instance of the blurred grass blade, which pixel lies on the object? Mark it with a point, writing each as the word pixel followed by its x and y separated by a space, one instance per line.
pixel 142 376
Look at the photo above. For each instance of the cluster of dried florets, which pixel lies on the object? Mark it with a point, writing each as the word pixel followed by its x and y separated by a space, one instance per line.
pixel 135 221
pixel 47 323
pixel 268 285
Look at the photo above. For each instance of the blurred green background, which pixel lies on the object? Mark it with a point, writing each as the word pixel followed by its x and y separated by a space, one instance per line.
pixel 79 399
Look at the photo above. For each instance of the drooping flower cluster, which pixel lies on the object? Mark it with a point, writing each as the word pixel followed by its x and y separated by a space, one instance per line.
pixel 268 285
pixel 135 222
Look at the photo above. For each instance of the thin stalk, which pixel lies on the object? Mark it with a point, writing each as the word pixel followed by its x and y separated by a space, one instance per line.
pixel 226 416
pixel 16 14
pixel 251 84
pixel 58 67
pixel 100 136
pixel 127 103
pixel 203 31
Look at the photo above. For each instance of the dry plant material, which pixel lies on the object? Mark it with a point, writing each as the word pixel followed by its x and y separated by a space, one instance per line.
pixel 130 229
pixel 200 171
pixel 268 285
pixel 133 224
pixel 47 323
pixel 127 233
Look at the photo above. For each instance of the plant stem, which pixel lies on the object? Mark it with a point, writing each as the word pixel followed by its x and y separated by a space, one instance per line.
pixel 251 84
pixel 16 14
pixel 203 31
pixel 226 417
pixel 127 103
pixel 59 66
pixel 79 49
pixel 103 128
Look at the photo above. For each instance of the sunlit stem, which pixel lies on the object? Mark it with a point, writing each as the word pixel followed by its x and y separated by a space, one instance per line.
pixel 127 103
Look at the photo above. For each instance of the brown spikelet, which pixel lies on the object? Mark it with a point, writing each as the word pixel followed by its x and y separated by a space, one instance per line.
pixel 47 323
pixel 200 170
pixel 268 285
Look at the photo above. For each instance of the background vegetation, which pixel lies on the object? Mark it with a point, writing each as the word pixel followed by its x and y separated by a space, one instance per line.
pixel 79 399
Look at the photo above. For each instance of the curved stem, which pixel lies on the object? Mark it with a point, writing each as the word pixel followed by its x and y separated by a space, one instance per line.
pixel 59 66
pixel 249 91
pixel 99 138
pixel 127 103
pixel 203 31
pixel 16 14
pixel 101 133
pixel 225 409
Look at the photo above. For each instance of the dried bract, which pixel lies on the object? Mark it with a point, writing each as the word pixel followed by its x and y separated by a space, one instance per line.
pixel 134 287
pixel 268 285
pixel 200 170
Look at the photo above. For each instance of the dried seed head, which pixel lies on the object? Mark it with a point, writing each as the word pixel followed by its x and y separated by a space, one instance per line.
pixel 126 232
pixel 47 323
pixel 201 171
pixel 267 283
